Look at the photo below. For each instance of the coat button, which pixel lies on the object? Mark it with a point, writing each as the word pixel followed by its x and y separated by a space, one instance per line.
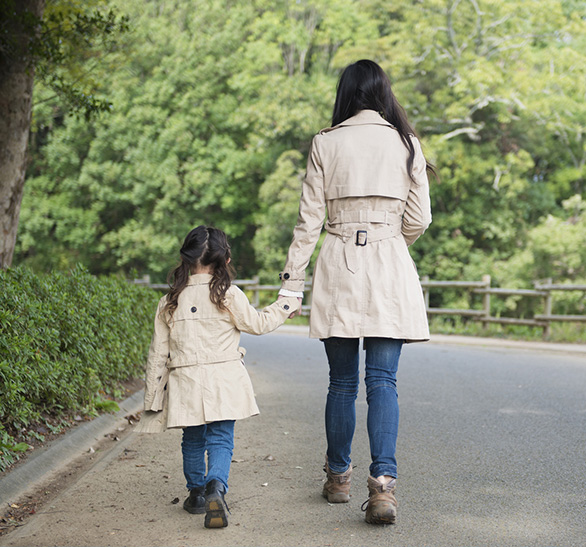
pixel 193 309
pixel 286 276
pixel 281 277
pixel 286 306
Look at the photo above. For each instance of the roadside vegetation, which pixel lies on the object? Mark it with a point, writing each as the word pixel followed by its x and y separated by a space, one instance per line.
pixel 67 343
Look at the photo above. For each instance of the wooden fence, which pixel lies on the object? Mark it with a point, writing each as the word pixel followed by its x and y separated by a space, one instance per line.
pixel 543 290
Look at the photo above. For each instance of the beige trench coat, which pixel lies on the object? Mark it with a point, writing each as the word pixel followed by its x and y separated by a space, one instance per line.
pixel 195 373
pixel 365 282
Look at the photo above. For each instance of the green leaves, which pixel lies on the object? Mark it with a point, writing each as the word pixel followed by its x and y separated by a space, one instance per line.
pixel 215 104
pixel 65 341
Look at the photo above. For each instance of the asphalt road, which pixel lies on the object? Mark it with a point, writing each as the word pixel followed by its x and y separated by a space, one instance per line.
pixel 491 452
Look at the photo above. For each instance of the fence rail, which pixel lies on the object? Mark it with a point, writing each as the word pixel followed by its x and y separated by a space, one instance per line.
pixel 542 289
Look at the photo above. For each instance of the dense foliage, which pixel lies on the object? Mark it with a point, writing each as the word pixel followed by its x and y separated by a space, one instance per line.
pixel 66 341
pixel 215 104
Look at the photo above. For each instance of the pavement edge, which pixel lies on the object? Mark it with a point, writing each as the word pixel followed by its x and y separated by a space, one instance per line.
pixel 49 460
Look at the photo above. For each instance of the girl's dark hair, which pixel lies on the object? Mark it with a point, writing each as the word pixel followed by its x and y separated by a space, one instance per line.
pixel 364 85
pixel 203 246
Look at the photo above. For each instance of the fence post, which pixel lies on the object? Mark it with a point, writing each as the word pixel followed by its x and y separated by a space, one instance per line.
pixel 486 301
pixel 256 292
pixel 144 280
pixel 548 308
pixel 425 280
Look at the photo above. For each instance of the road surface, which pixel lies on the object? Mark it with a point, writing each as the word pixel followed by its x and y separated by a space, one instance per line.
pixel 492 450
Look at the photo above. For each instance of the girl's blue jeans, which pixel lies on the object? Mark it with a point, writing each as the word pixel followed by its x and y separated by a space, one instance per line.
pixel 382 361
pixel 215 438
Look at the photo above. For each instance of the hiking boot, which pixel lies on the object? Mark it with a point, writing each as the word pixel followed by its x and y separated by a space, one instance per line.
pixel 381 505
pixel 215 506
pixel 195 503
pixel 337 486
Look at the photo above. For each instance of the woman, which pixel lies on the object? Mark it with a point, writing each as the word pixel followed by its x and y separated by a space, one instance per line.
pixel 369 173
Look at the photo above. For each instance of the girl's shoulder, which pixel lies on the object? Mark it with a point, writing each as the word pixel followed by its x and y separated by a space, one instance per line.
pixel 235 297
pixel 234 292
pixel 162 302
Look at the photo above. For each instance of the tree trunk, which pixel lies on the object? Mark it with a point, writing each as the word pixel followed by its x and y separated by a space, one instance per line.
pixel 16 88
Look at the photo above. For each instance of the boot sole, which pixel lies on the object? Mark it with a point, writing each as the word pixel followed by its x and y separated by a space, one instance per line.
pixel 336 498
pixel 215 513
pixel 380 520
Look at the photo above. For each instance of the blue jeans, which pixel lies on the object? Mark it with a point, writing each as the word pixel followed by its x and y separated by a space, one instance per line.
pixel 382 361
pixel 215 438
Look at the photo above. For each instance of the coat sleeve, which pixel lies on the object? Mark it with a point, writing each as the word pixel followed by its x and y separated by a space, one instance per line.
pixel 312 213
pixel 156 369
pixel 417 215
pixel 248 319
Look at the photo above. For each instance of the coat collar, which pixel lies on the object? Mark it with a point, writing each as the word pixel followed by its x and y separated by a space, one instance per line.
pixel 365 117
pixel 199 279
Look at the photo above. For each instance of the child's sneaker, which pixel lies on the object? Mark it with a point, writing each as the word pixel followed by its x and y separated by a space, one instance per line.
pixel 195 503
pixel 215 506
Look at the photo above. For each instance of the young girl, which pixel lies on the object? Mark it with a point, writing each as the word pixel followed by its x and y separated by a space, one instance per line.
pixel 195 377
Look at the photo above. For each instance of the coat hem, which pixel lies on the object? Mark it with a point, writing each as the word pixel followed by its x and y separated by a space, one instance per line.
pixel 220 419
pixel 394 336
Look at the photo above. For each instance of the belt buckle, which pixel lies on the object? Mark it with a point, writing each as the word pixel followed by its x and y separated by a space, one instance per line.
pixel 361 238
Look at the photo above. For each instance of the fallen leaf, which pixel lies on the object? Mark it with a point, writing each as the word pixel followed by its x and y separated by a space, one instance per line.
pixel 175 501
pixel 132 418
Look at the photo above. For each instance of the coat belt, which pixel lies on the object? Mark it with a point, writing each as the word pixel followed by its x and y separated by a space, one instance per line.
pixel 160 391
pixel 365 216
pixel 356 239
pixel 206 359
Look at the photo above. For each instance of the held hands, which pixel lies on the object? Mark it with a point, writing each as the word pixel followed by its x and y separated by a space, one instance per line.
pixel 298 312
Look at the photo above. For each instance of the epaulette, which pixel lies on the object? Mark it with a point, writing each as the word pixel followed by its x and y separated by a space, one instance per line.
pixel 328 129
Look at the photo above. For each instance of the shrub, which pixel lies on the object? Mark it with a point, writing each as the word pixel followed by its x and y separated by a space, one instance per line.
pixel 64 338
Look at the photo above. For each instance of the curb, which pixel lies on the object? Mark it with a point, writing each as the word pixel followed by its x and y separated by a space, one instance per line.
pixel 460 340
pixel 47 461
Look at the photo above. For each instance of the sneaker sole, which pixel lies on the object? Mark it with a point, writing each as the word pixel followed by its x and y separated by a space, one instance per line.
pixel 194 510
pixel 215 514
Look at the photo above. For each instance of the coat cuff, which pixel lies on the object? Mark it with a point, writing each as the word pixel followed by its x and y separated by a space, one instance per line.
pixel 292 280
pixel 289 304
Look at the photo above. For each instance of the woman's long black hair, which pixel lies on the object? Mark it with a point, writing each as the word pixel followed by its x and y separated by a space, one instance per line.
pixel 203 246
pixel 364 85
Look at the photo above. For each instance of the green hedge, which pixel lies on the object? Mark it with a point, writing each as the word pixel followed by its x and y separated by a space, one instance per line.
pixel 65 340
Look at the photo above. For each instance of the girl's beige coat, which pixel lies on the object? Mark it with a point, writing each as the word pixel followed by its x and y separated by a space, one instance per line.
pixel 365 282
pixel 195 370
